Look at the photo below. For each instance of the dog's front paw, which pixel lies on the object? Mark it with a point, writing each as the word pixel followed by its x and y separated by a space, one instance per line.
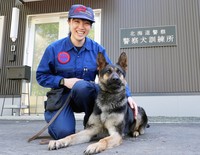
pixel 94 148
pixel 136 133
pixel 55 144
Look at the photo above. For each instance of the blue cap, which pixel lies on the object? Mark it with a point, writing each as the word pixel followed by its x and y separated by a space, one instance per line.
pixel 81 12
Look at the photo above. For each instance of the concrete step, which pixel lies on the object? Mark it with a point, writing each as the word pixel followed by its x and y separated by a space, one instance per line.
pixel 16 106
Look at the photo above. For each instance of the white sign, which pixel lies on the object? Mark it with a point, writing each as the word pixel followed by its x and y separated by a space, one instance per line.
pixel 148 36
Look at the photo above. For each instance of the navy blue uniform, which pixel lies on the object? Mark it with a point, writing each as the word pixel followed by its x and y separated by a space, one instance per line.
pixel 62 60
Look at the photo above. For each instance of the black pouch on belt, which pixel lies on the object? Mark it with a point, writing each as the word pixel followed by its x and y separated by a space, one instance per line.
pixel 55 98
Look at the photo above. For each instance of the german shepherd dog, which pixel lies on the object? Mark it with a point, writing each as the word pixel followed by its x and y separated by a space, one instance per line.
pixel 111 111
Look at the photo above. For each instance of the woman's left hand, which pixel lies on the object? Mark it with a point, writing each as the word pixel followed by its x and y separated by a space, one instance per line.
pixel 133 105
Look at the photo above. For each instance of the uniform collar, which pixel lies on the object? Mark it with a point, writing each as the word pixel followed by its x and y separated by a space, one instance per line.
pixel 69 44
pixel 86 45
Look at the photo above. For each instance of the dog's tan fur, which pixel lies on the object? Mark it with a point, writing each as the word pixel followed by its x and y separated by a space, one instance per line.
pixel 107 114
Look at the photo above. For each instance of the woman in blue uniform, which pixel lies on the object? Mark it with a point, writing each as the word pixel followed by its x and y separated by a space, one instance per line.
pixel 71 63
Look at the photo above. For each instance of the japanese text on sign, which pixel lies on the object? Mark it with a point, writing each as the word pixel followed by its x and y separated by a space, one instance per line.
pixel 148 36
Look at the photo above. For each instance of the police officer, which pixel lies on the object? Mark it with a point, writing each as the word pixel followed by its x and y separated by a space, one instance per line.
pixel 71 62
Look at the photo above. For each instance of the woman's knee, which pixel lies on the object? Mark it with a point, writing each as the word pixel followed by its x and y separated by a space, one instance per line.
pixel 63 125
pixel 84 89
pixel 58 132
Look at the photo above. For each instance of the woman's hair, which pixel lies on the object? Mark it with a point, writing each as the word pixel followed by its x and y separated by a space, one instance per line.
pixel 82 19
pixel 69 34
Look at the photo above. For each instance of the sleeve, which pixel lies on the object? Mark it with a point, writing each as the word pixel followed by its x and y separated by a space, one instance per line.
pixel 128 91
pixel 102 49
pixel 46 72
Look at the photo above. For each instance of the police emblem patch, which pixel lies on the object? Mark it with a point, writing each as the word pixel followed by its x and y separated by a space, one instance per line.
pixel 63 57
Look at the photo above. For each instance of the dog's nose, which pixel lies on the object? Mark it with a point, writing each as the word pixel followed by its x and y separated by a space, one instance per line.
pixel 115 78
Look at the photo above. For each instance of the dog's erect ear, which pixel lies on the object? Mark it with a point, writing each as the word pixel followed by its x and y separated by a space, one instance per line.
pixel 101 61
pixel 123 61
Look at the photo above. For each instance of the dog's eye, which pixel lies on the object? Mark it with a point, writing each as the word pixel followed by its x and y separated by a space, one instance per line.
pixel 109 71
pixel 119 71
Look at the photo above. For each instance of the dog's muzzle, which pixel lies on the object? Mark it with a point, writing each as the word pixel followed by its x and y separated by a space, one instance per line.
pixel 114 82
pixel 115 78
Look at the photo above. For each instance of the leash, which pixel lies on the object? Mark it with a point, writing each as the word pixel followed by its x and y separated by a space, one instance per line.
pixel 37 135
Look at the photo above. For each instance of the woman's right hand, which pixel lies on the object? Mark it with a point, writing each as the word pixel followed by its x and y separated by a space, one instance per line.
pixel 69 82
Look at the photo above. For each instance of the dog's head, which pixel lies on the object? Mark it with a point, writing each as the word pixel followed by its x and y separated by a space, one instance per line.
pixel 112 77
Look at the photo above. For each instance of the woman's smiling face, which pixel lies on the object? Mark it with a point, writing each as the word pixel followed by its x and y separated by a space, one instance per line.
pixel 79 30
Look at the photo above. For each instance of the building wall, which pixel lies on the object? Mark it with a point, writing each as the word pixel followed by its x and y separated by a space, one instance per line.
pixel 157 69
pixel 171 70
